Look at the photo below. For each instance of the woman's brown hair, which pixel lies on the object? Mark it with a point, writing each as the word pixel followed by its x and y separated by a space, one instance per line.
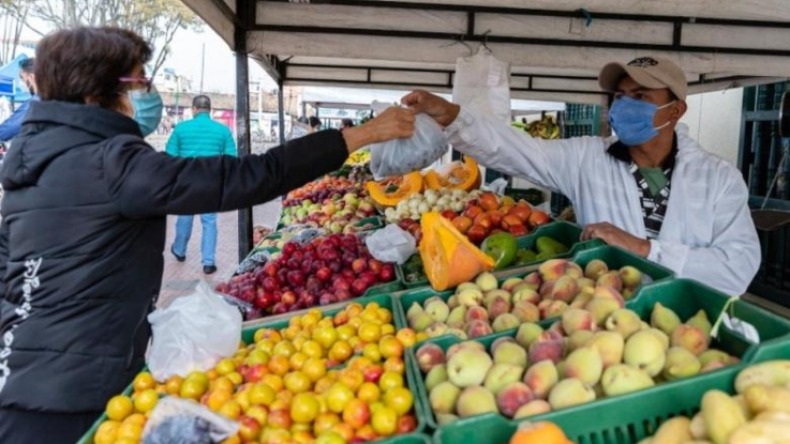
pixel 74 64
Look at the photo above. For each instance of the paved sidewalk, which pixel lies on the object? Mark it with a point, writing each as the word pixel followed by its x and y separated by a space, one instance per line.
pixel 180 278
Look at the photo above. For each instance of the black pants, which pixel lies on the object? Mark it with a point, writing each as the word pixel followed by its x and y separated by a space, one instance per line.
pixel 26 427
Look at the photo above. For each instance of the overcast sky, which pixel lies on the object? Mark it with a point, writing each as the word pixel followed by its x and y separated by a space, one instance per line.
pixel 220 66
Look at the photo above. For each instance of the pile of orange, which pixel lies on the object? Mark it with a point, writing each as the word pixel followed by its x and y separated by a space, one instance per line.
pixel 324 379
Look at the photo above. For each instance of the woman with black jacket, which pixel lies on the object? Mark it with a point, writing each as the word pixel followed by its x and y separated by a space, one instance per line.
pixel 83 225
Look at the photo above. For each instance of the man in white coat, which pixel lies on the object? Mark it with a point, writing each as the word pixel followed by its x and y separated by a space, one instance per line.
pixel 651 189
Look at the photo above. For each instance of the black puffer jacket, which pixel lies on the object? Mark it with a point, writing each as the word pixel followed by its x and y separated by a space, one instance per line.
pixel 82 237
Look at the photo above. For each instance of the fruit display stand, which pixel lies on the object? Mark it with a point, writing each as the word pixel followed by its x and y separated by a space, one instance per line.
pixel 87 438
pixel 614 257
pixel 585 423
pixel 280 322
pixel 625 419
pixel 565 233
pixel 387 301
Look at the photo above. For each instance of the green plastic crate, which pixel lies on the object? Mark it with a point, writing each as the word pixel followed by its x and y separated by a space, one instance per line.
pixel 376 290
pixel 412 438
pixel 563 232
pixel 616 257
pixel 87 438
pixel 384 300
pixel 249 330
pixel 566 233
pixel 624 419
pixel 385 288
pixel 613 256
pixel 683 296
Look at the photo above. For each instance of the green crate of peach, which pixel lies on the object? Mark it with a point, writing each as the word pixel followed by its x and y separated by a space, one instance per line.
pixel 490 305
pixel 336 376
pixel 660 337
pixel 718 407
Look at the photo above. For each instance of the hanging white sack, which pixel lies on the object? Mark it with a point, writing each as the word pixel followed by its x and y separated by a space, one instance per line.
pixel 482 83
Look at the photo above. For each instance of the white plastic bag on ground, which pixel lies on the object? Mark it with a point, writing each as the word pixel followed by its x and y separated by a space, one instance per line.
pixel 391 244
pixel 397 157
pixel 193 333
pixel 482 83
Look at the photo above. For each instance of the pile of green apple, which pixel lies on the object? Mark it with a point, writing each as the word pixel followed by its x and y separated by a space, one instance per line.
pixel 336 213
pixel 575 361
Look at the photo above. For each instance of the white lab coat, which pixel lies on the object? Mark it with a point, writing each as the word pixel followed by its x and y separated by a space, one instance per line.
pixel 708 233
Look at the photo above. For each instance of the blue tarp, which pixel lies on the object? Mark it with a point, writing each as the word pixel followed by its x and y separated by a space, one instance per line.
pixel 10 85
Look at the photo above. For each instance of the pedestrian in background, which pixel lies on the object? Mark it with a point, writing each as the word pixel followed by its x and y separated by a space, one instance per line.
pixel 315 124
pixel 199 137
pixel 345 124
pixel 11 126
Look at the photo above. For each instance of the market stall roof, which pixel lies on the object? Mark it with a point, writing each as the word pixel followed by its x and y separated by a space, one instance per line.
pixel 350 98
pixel 556 47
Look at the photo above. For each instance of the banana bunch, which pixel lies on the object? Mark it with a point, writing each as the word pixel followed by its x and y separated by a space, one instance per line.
pixel 758 413
pixel 359 157
pixel 545 128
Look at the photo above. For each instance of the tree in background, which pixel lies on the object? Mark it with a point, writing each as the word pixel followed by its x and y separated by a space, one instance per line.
pixel 12 25
pixel 154 20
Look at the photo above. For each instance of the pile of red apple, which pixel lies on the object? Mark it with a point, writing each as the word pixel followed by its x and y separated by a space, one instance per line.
pixel 491 214
pixel 327 270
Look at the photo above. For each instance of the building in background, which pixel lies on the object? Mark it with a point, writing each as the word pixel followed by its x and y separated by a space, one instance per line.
pixel 168 80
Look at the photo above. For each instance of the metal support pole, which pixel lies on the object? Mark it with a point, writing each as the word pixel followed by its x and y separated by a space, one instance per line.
pixel 243 129
pixel 281 111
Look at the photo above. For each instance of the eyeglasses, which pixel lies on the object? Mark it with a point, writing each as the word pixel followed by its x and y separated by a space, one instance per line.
pixel 145 81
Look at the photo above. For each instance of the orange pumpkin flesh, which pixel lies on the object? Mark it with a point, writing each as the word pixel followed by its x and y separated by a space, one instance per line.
pixel 389 192
pixel 448 257
pixel 464 176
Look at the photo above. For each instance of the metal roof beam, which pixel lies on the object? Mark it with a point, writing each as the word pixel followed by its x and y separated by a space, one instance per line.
pixel 543 12
pixel 480 38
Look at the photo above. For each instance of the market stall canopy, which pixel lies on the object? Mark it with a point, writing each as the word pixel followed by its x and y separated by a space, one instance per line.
pixel 10 86
pixel 349 98
pixel 556 47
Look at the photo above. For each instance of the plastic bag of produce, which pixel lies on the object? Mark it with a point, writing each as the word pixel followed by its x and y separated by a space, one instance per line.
pixel 186 422
pixel 391 244
pixel 193 333
pixel 397 157
pixel 482 83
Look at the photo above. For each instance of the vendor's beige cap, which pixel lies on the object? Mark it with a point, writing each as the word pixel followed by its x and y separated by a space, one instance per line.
pixel 650 72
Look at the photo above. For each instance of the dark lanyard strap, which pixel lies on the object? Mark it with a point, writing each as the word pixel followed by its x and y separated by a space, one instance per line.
pixel 653 208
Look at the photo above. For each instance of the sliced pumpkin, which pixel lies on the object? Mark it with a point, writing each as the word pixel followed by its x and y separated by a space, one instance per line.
pixel 460 175
pixel 447 255
pixel 390 191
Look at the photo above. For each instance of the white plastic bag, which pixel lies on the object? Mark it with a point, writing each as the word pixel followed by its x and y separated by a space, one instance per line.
pixel 482 83
pixel 497 186
pixel 391 244
pixel 186 422
pixel 397 157
pixel 193 333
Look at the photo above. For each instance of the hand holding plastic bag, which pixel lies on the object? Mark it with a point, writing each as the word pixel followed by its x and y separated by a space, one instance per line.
pixel 193 333
pixel 391 244
pixel 397 157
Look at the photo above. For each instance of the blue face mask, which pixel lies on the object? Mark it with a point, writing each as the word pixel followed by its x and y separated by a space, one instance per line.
pixel 632 120
pixel 147 106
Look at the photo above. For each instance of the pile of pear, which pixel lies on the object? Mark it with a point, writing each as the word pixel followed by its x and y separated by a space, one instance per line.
pixel 758 413
pixel 580 358
pixel 483 307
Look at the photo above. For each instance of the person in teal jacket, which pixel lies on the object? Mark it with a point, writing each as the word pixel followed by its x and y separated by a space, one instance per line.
pixel 199 137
